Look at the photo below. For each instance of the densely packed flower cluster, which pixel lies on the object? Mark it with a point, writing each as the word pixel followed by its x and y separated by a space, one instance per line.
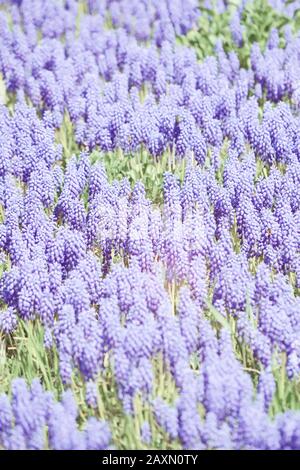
pixel 190 306
pixel 25 418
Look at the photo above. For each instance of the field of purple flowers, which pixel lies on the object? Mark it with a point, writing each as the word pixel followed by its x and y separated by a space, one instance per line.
pixel 149 224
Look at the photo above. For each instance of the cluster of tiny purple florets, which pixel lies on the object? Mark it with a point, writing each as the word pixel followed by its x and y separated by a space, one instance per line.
pixel 32 419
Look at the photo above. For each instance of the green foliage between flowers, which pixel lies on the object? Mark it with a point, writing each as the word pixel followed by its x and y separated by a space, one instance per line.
pixel 258 19
pixel 141 167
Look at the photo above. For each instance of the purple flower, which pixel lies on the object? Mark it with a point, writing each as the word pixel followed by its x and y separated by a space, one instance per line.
pixel 8 320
